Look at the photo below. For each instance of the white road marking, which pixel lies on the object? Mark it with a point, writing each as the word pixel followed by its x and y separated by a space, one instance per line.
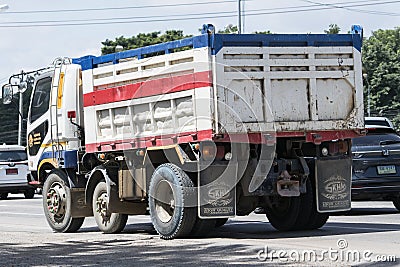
pixel 16 213
pixel 361 228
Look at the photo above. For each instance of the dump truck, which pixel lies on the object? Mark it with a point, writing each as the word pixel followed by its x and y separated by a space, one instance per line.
pixel 199 130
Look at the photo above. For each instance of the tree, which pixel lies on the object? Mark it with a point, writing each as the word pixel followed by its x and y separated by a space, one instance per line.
pixel 140 40
pixel 381 61
pixel 333 29
pixel 229 29
pixel 263 32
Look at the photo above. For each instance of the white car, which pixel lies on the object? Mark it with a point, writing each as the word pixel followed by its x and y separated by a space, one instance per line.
pixel 378 122
pixel 14 173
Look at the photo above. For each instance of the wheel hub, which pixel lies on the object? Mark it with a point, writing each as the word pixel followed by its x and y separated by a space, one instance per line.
pixel 56 197
pixel 164 201
pixel 102 207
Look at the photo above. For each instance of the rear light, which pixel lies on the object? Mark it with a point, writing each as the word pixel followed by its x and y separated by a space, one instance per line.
pixel 71 114
pixel 343 146
pixel 208 151
pixel 336 148
pixel 220 153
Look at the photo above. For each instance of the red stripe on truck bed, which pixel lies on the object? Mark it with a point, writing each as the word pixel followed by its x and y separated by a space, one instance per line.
pixel 152 141
pixel 187 137
pixel 148 88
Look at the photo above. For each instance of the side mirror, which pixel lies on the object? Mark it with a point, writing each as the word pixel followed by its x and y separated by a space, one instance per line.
pixel 7 92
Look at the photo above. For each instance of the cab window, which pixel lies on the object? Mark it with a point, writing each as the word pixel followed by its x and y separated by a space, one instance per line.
pixel 40 100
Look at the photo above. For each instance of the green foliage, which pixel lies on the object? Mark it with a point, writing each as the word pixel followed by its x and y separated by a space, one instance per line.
pixel 333 29
pixel 263 32
pixel 381 61
pixel 229 29
pixel 140 40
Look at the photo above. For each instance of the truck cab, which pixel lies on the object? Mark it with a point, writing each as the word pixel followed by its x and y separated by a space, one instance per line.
pixel 53 125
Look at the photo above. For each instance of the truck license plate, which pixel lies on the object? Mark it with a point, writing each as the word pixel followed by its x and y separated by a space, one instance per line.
pixel 390 169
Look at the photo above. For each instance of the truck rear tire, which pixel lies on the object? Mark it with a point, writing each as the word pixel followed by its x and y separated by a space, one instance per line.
pixel 317 219
pixel 306 205
pixel 108 223
pixel 3 196
pixel 169 191
pixel 57 204
pixel 282 212
pixel 202 227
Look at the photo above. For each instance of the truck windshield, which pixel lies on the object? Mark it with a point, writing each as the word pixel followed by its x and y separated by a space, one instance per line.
pixel 13 156
pixel 41 97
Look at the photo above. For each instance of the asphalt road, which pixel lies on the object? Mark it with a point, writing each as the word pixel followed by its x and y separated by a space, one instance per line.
pixel 369 235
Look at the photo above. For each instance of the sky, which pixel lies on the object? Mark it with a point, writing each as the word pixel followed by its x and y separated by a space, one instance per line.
pixel 34 33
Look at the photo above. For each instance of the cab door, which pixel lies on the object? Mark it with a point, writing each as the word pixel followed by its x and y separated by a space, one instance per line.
pixel 38 123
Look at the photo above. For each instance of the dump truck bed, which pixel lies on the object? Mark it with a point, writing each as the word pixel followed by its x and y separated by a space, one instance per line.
pixel 211 85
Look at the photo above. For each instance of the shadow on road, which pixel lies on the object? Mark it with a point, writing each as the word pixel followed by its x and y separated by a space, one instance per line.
pixel 259 230
pixel 264 230
pixel 139 245
pixel 126 252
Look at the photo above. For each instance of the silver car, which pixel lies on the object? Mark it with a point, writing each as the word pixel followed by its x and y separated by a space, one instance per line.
pixel 14 173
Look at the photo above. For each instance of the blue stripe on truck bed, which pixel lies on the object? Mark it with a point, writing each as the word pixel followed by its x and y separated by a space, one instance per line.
pixel 286 40
pixel 217 41
pixel 90 62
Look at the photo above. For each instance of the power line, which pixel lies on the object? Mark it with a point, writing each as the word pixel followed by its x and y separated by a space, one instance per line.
pixel 120 18
pixel 180 17
pixel 353 9
pixel 233 12
pixel 120 8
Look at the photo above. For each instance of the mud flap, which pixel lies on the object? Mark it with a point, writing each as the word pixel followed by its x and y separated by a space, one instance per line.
pixel 333 185
pixel 79 208
pixel 217 191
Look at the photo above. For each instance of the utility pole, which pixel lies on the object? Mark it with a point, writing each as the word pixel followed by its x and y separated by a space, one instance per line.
pixel 240 16
pixel 20 118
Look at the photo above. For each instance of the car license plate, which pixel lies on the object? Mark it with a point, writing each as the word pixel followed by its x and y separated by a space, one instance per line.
pixel 11 171
pixel 390 169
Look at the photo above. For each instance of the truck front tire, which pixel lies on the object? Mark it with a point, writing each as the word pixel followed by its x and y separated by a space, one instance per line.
pixel 57 204
pixel 169 193
pixel 109 223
